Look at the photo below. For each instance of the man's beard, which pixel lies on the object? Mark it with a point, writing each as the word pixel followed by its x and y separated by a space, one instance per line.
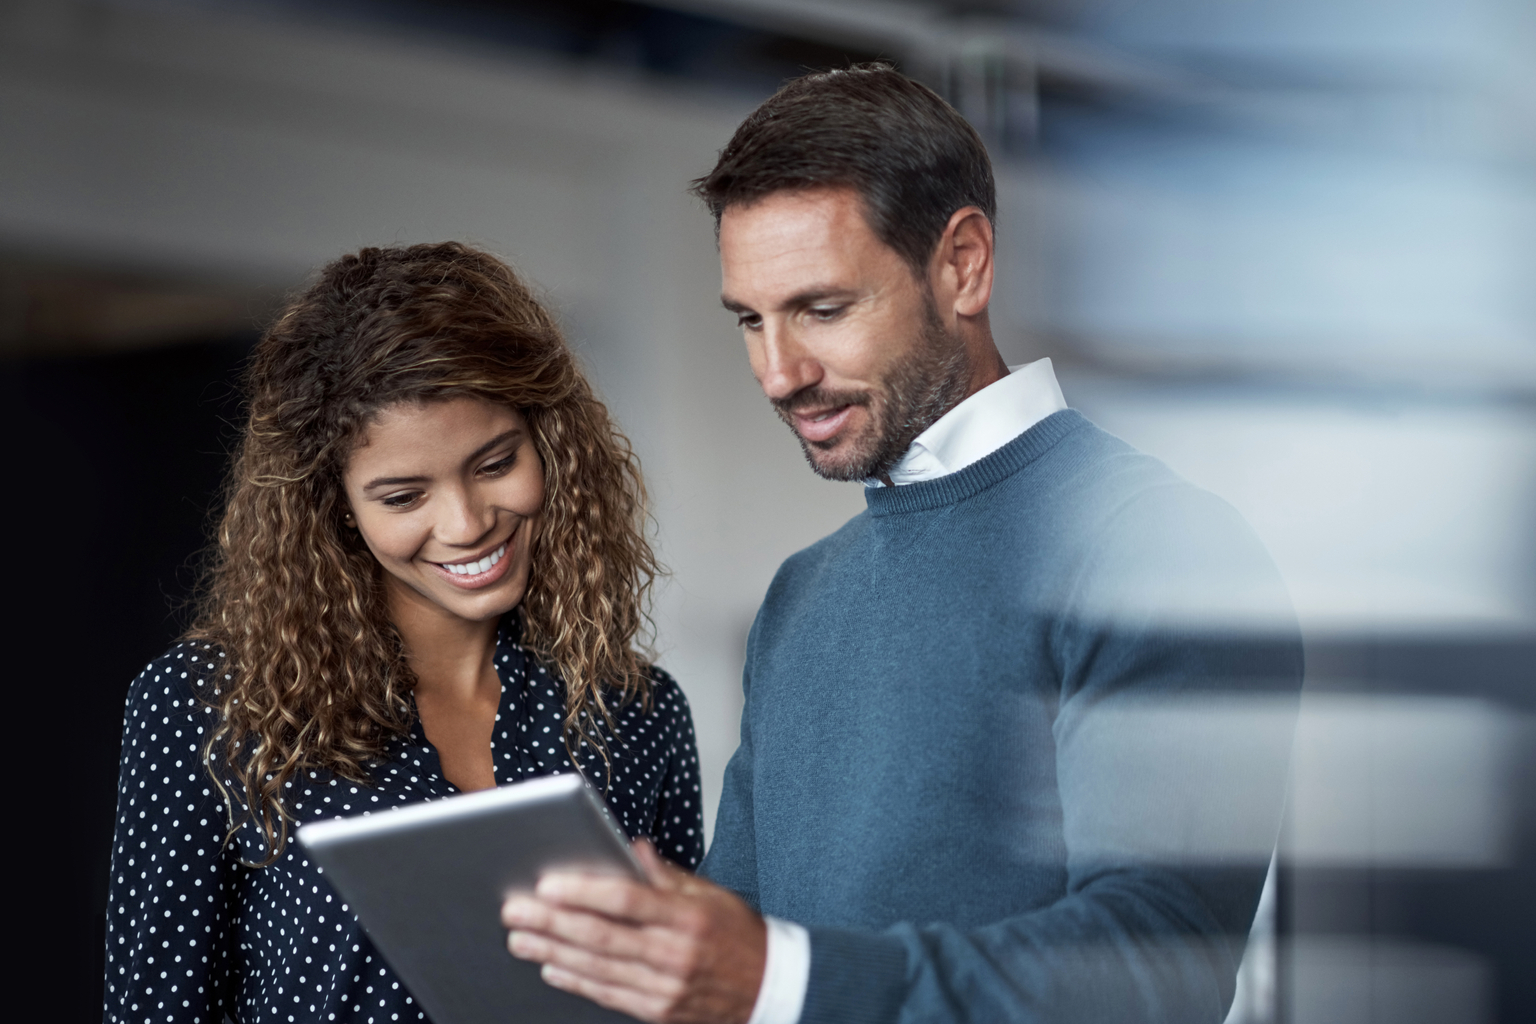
pixel 931 380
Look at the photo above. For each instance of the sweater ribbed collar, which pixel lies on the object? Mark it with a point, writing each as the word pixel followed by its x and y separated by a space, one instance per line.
pixel 978 476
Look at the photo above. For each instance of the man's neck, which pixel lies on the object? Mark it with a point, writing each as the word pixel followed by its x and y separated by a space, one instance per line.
pixel 987 364
pixel 987 367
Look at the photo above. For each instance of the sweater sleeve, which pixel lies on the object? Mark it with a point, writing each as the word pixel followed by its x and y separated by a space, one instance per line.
pixel 170 925
pixel 732 858
pixel 1180 666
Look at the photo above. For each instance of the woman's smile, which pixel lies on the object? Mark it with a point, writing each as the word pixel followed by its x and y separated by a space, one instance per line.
pixel 474 573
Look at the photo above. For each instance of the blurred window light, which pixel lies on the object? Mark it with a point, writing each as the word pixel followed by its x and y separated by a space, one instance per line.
pixel 1190 779
pixel 1339 980
pixel 1382 512
pixel 1403 782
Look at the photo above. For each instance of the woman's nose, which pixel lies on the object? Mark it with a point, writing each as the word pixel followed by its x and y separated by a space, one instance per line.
pixel 467 518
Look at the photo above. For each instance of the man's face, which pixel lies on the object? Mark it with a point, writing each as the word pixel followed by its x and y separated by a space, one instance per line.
pixel 843 337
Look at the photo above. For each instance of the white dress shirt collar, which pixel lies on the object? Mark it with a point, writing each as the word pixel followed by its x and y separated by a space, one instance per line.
pixel 981 424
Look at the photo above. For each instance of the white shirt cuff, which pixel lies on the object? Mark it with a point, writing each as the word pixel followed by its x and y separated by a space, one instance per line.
pixel 785 975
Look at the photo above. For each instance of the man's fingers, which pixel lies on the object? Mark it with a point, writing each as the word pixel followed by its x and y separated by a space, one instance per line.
pixel 619 972
pixel 594 932
pixel 618 898
pixel 682 950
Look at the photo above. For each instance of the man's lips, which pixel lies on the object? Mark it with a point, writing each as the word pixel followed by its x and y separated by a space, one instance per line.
pixel 816 425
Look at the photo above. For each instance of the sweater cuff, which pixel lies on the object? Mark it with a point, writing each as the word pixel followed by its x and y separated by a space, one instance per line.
pixel 856 978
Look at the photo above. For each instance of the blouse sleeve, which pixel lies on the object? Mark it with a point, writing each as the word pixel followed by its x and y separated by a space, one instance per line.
pixel 679 829
pixel 171 932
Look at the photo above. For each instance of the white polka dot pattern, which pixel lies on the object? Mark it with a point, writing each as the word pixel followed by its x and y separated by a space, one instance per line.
pixel 192 935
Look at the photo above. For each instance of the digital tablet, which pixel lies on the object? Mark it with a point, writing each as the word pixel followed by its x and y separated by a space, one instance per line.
pixel 427 882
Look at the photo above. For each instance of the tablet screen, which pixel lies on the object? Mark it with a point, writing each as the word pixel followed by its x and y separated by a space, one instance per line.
pixel 427 882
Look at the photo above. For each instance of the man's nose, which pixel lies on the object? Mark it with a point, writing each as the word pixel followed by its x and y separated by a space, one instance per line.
pixel 785 365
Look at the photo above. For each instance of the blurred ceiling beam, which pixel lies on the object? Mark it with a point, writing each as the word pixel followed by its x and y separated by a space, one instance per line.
pixel 990 67
pixel 927 33
pixel 995 67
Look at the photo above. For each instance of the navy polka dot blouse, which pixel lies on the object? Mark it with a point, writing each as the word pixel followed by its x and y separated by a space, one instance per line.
pixel 192 935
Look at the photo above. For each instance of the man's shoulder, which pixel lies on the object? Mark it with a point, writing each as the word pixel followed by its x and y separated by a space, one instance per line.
pixel 1090 460
pixel 1151 546
pixel 1131 488
pixel 1057 493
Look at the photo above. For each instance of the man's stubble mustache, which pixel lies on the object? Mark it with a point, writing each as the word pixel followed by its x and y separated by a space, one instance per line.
pixel 816 397
pixel 918 390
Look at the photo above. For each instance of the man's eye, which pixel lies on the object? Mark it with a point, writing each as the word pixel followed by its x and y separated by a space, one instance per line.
pixel 826 312
pixel 750 323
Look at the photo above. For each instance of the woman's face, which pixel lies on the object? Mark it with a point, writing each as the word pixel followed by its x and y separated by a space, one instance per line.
pixel 447 494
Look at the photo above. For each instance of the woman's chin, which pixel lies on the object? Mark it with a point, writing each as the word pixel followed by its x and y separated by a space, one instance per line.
pixel 429 593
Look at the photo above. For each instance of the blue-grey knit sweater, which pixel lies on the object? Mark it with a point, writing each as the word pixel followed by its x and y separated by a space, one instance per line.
pixel 1014 743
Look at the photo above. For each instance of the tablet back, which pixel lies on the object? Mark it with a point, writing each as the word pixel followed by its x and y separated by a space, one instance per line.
pixel 427 883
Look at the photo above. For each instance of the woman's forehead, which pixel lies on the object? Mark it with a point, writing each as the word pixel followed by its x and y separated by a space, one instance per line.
pixel 433 430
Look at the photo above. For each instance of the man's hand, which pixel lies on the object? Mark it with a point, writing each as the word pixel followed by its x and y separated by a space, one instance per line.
pixel 680 951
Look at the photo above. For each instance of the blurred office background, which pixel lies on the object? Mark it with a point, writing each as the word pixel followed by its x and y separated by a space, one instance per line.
pixel 1290 248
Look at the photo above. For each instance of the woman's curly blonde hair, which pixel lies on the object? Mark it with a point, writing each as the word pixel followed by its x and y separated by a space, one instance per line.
pixel 314 673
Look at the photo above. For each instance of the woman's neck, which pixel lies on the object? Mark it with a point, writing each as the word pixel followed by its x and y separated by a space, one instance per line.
pixel 457 689
pixel 451 657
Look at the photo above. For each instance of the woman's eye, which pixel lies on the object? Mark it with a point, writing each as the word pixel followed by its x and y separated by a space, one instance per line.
pixel 499 466
pixel 405 500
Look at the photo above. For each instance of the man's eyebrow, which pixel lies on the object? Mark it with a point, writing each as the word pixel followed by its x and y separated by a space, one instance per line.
pixel 396 481
pixel 799 300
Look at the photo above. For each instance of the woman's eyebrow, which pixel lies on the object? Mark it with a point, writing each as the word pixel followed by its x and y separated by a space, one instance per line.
pixel 395 481
pixel 392 481
pixel 495 442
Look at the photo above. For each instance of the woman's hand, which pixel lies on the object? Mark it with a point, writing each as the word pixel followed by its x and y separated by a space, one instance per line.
pixel 679 951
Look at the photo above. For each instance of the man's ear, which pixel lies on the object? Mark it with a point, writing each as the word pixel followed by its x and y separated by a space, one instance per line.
pixel 962 266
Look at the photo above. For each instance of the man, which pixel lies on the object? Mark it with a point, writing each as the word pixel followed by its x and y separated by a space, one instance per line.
pixel 999 755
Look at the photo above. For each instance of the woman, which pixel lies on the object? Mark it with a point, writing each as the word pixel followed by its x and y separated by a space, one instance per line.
pixel 429 578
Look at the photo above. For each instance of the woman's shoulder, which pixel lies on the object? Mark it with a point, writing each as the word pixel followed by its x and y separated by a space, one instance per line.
pixel 667 696
pixel 182 682
pixel 661 711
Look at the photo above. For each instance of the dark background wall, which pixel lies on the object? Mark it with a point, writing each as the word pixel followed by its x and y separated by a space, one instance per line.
pixel 116 465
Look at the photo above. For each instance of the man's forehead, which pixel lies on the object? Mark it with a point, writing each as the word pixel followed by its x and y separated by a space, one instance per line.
pixel 791 219
pixel 801 240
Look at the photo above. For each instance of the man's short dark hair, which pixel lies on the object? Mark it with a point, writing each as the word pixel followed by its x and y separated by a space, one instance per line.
pixel 910 155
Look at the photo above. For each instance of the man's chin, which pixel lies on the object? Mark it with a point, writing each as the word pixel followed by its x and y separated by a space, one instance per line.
pixel 838 460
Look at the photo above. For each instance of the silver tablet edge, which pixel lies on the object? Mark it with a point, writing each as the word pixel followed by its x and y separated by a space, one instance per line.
pixel 322 833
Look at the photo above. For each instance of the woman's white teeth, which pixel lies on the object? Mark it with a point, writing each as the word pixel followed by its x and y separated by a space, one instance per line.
pixel 472 568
